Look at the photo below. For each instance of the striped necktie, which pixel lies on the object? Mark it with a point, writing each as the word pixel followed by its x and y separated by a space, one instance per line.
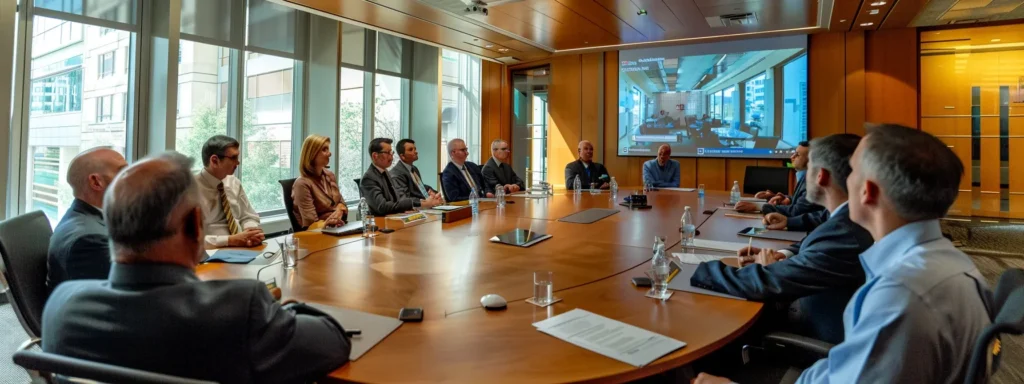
pixel 232 225
pixel 419 183
pixel 465 172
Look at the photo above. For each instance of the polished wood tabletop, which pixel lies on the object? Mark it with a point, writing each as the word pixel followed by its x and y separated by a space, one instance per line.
pixel 446 267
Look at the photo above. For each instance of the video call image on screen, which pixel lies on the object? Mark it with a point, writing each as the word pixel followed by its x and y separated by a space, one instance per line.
pixel 732 99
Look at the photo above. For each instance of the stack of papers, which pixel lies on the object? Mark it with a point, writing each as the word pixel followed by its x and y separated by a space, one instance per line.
pixel 615 339
pixel 408 218
pixel 691 258
pixel 724 246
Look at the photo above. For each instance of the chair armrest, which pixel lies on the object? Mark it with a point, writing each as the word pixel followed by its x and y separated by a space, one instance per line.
pixel 783 340
pixel 31 342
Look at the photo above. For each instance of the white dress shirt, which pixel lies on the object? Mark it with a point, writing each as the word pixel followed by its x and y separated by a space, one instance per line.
pixel 215 222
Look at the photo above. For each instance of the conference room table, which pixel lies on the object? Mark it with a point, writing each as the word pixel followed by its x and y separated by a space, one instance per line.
pixel 445 268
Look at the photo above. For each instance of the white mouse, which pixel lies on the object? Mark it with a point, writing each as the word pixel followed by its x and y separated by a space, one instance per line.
pixel 493 302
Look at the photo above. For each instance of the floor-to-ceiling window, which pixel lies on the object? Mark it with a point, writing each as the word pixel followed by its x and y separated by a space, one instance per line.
pixel 460 104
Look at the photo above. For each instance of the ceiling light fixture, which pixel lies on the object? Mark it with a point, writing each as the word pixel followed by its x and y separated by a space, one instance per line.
pixel 873 12
pixel 878 4
pixel 866 24
pixel 489 46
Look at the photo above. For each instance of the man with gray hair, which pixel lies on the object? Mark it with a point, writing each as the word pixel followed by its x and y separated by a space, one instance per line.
pixel 154 314
pixel 662 172
pixel 924 303
pixel 461 177
pixel 79 247
pixel 497 172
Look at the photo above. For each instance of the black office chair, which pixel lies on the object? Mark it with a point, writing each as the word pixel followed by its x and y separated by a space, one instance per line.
pixel 56 368
pixel 358 182
pixel 757 179
pixel 289 204
pixel 440 187
pixel 1008 318
pixel 24 244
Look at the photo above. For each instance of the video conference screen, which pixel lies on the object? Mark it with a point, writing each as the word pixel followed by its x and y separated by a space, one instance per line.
pixel 730 99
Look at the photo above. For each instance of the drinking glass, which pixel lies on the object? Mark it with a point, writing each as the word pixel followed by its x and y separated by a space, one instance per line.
pixel 593 189
pixel 659 280
pixel 290 253
pixel 542 286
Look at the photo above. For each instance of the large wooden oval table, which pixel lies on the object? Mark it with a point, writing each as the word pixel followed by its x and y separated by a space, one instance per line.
pixel 446 268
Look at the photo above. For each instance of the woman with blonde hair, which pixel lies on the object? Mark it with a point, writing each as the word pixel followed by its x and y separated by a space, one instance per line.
pixel 315 193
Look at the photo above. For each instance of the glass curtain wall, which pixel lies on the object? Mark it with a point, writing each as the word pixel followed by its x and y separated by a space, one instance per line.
pixel 460 104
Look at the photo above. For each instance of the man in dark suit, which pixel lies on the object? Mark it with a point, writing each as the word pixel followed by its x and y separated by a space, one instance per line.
pixel 78 247
pixel 461 176
pixel 377 187
pixel 788 206
pixel 407 179
pixel 821 272
pixel 497 172
pixel 154 314
pixel 586 169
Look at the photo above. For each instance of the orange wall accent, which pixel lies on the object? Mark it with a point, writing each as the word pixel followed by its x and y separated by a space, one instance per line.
pixel 496 108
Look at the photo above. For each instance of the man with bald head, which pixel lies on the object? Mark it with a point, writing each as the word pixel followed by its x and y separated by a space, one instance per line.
pixel 236 332
pixel 78 247
pixel 586 169
pixel 662 172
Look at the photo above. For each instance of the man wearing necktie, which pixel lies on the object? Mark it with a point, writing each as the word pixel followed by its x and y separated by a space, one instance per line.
pixel 229 219
pixel 378 189
pixel 407 179
pixel 461 177
pixel 586 168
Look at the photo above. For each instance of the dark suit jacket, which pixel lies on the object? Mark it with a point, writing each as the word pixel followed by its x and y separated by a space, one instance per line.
pixel 799 204
pixel 500 173
pixel 821 277
pixel 404 184
pixel 79 247
pixel 161 318
pixel 381 196
pixel 598 174
pixel 456 188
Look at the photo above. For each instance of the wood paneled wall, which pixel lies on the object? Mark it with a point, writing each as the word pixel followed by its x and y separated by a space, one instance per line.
pixel 854 77
pixel 496 107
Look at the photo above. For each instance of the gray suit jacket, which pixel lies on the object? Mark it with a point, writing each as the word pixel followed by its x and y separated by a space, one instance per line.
pixel 380 194
pixel 821 277
pixel 500 173
pixel 161 318
pixel 78 248
pixel 404 184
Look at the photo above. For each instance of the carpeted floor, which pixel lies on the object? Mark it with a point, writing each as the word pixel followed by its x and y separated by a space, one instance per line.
pixel 993 246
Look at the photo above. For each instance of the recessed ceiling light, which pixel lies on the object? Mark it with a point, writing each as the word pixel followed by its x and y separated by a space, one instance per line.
pixel 489 46
pixel 878 4
pixel 996 40
pixel 866 24
pixel 502 50
pixel 842 21
pixel 873 12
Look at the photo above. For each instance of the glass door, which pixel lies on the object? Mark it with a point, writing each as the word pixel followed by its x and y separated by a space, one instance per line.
pixel 530 123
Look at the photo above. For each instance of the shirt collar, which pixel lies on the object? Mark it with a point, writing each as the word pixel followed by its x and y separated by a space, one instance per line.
pixel 152 274
pixel 207 179
pixel 892 248
pixel 459 167
pixel 839 208
pixel 407 166
pixel 379 169
pixel 800 175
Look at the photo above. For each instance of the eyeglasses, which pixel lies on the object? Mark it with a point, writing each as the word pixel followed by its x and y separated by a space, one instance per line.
pixel 392 153
pixel 461 150
pixel 235 157
pixel 501 149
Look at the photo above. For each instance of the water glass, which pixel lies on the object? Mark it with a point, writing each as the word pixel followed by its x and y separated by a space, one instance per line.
pixel 542 286
pixel 594 189
pixel 659 280
pixel 290 253
pixel 700 190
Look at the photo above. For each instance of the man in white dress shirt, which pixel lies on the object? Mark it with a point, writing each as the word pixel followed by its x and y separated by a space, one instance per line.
pixel 228 218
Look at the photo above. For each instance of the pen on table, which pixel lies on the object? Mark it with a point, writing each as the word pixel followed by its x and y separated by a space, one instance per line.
pixel 353 332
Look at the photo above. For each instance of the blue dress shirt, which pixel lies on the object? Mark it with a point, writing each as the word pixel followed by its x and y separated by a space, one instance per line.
pixel 916 317
pixel 662 177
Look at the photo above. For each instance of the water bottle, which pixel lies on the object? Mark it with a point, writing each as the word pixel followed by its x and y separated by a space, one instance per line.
pixel 660 267
pixel 576 185
pixel 734 196
pixel 499 195
pixel 474 202
pixel 687 228
pixel 614 187
pixel 364 213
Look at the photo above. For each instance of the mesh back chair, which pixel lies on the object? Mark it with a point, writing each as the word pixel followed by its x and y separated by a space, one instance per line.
pixel 757 179
pixel 289 204
pixel 24 244
pixel 56 368
pixel 1008 318
pixel 358 182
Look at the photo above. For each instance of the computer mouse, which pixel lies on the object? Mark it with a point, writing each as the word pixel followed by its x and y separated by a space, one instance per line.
pixel 493 302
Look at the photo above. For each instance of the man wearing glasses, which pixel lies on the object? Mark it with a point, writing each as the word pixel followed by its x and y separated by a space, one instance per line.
pixel 379 191
pixel 229 220
pixel 496 172
pixel 461 177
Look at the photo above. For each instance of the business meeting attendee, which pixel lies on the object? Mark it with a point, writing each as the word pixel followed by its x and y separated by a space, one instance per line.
pixel 315 193
pixel 154 314
pixel 461 176
pixel 787 205
pixel 662 172
pixel 78 246
pixel 378 189
pixel 229 220
pixel 496 171
pixel 917 316
pixel 821 272
pixel 406 177
pixel 585 167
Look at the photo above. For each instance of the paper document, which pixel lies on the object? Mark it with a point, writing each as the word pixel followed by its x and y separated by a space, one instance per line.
pixel 679 189
pixel 615 339
pixel 718 245
pixel 528 195
pixel 682 282
pixel 375 327
pixel 447 207
pixel 691 258
pixel 751 199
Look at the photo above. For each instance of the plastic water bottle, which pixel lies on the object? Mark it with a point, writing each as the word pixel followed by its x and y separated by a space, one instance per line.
pixel 660 266
pixel 734 196
pixel 364 213
pixel 576 185
pixel 499 195
pixel 474 202
pixel 687 228
pixel 614 187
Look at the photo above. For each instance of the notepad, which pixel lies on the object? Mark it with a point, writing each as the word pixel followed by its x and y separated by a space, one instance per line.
pixel 682 283
pixel 725 246
pixel 623 342
pixel 752 200
pixel 374 327
pixel 447 207
pixel 408 218
pixel 692 258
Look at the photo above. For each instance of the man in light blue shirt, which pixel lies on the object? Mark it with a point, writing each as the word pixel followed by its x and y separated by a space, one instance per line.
pixel 918 314
pixel 662 172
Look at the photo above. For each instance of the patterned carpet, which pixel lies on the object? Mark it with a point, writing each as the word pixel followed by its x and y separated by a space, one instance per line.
pixel 993 246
